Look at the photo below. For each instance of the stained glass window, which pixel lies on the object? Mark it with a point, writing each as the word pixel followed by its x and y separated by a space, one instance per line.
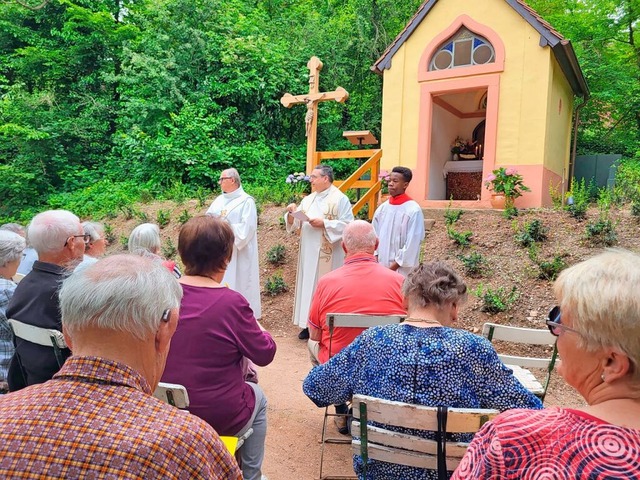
pixel 462 50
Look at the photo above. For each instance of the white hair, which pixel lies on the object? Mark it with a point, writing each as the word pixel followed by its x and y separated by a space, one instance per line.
pixel 11 247
pixel 94 229
pixel 15 228
pixel 359 237
pixel 49 231
pixel 124 293
pixel 233 174
pixel 145 236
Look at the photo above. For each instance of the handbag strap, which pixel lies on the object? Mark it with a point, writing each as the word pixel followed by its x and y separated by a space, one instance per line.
pixel 441 439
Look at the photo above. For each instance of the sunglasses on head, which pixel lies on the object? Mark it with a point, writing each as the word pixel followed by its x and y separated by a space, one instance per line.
pixel 554 322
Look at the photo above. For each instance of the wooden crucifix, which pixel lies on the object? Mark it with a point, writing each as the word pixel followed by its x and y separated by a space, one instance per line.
pixel 311 100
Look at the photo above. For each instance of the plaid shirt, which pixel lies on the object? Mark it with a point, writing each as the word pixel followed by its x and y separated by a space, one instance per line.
pixel 7 287
pixel 96 419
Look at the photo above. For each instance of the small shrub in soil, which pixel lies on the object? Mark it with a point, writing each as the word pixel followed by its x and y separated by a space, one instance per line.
pixel 496 301
pixel 163 218
pixel 532 232
pixel 275 255
pixel 146 196
pixel 169 250
pixel 143 217
pixel 451 216
pixel 510 212
pixel 184 217
pixel 462 239
pixel 124 241
pixel 275 285
pixel 635 208
pixel 578 199
pixel 109 235
pixel 201 196
pixel 128 212
pixel 549 270
pixel 602 232
pixel 474 264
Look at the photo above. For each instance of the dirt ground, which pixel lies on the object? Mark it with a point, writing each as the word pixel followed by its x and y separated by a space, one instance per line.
pixel 293 449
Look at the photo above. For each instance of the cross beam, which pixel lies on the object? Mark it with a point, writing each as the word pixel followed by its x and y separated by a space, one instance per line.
pixel 311 100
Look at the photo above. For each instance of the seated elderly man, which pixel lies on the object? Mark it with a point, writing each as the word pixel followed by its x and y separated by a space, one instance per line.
pixel 59 240
pixel 361 285
pixel 97 245
pixel 96 418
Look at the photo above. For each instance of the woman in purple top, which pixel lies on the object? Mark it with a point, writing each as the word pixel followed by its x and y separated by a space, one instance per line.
pixel 216 332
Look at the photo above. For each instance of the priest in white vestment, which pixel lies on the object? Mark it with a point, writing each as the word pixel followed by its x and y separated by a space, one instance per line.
pixel 399 224
pixel 321 218
pixel 239 209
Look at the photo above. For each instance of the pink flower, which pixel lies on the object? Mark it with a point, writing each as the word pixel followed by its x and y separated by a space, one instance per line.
pixel 510 171
pixel 383 174
pixel 491 177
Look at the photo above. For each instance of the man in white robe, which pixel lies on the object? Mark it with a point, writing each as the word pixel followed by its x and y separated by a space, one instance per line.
pixel 328 211
pixel 239 209
pixel 399 224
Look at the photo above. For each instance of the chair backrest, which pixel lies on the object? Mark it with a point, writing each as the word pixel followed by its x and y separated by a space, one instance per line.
pixel 358 320
pixel 173 394
pixel 379 443
pixel 47 337
pixel 526 336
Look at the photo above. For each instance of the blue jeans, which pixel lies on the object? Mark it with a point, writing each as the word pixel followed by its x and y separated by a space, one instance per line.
pixel 252 452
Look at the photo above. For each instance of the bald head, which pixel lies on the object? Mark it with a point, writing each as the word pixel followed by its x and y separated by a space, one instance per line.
pixel 359 237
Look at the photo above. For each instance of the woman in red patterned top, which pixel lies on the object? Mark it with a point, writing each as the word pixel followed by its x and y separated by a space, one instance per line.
pixel 597 324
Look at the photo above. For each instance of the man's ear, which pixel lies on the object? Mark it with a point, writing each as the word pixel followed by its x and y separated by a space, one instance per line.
pixel 377 243
pixel 67 338
pixel 344 248
pixel 165 331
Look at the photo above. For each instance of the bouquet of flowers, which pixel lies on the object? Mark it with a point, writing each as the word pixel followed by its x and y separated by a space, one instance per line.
pixel 506 181
pixel 298 185
pixel 459 145
pixel 384 178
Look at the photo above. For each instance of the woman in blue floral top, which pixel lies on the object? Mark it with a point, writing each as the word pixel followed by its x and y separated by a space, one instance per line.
pixel 422 361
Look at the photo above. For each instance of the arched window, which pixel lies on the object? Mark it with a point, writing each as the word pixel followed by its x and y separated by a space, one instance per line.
pixel 463 49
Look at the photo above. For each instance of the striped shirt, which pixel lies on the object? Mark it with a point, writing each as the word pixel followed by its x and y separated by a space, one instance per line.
pixel 97 419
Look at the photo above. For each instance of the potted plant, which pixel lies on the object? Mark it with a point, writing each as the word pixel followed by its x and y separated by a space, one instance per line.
pixel 505 182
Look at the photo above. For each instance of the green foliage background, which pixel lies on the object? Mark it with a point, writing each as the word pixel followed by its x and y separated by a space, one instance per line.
pixel 101 101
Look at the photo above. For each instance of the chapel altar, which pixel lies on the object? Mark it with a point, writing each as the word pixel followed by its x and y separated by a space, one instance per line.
pixel 463 179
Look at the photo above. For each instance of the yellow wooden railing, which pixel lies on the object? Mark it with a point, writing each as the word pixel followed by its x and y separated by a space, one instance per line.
pixel 372 164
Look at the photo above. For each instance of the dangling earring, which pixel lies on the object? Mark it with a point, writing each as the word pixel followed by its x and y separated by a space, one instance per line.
pixel 602 377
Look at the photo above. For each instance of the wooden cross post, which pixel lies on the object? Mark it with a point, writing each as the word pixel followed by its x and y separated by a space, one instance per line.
pixel 311 101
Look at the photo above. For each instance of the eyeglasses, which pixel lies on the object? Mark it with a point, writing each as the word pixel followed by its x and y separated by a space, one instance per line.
pixel 85 238
pixel 554 322
pixel 224 178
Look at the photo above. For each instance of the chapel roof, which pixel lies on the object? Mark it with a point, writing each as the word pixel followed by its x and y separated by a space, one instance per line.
pixel 561 47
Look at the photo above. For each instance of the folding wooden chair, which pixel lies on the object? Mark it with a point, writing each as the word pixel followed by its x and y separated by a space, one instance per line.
pixel 379 443
pixel 521 364
pixel 347 320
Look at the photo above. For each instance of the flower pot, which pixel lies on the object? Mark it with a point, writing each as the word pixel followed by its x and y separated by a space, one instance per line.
pixel 498 200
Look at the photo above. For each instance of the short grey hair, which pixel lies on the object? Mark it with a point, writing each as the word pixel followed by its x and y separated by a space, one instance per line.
pixel 233 174
pixel 359 237
pixel 434 283
pixel 599 294
pixel 325 170
pixel 94 229
pixel 11 247
pixel 145 236
pixel 124 293
pixel 15 228
pixel 48 231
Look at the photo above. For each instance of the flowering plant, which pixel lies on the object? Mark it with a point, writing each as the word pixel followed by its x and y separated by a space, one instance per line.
pixel 384 179
pixel 460 145
pixel 506 181
pixel 298 184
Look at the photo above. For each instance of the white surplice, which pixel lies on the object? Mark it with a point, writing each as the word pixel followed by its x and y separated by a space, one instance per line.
pixel 400 230
pixel 320 249
pixel 243 272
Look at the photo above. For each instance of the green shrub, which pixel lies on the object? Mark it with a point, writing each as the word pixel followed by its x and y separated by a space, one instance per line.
pixel 602 232
pixel 532 232
pixel 276 254
pixel 146 196
pixel 178 192
pixel 549 270
pixel 184 217
pixel 124 241
pixel 556 196
pixel 474 264
pixel 451 216
pixel 201 195
pixel 627 187
pixel 496 301
pixel 510 212
pixel 109 234
pixel 462 239
pixel 635 208
pixel 578 198
pixel 275 285
pixel 142 216
pixel 163 217
pixel 127 211
pixel 169 250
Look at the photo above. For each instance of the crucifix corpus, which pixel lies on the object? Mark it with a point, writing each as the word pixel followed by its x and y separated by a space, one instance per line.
pixel 311 100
